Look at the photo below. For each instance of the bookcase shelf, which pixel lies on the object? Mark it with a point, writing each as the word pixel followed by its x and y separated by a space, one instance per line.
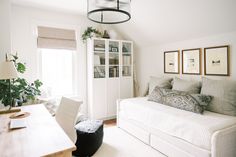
pixel 110 75
pixel 99 52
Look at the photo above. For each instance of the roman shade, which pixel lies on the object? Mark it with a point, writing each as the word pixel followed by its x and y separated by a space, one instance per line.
pixel 56 38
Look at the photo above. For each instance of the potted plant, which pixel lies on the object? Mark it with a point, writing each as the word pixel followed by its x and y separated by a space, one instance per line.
pixel 21 90
pixel 90 32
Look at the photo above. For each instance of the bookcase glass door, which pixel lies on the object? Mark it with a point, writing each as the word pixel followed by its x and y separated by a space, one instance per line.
pixel 113 59
pixel 126 59
pixel 99 58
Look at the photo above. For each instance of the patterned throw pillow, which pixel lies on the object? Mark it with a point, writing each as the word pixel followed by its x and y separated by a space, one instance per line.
pixel 182 100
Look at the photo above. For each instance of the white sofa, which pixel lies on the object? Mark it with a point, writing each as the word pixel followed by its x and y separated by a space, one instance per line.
pixel 175 132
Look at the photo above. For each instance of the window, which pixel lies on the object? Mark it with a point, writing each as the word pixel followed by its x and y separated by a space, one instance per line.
pixel 57 71
pixel 57 47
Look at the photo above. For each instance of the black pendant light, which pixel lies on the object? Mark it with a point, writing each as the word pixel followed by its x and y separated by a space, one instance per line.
pixel 109 11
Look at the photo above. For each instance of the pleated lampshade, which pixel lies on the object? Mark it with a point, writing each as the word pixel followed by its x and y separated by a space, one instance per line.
pixel 7 70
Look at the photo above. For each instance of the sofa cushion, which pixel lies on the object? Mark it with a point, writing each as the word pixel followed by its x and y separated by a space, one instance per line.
pixel 163 82
pixel 224 95
pixel 182 100
pixel 194 128
pixel 192 87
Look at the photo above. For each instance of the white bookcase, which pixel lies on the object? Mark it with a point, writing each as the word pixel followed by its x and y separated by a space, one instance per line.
pixel 110 75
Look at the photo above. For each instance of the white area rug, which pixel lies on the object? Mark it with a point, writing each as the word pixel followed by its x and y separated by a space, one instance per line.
pixel 118 143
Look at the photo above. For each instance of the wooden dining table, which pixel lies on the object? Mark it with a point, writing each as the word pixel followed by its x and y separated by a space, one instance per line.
pixel 42 136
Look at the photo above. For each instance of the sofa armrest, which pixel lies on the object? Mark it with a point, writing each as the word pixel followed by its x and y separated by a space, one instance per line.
pixel 118 111
pixel 224 142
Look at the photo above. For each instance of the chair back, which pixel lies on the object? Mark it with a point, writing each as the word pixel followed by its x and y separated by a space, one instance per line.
pixel 66 115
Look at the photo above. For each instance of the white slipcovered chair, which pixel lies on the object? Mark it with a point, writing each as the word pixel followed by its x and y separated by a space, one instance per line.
pixel 66 116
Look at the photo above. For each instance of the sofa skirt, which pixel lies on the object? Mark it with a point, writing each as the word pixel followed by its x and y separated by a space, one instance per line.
pixel 164 143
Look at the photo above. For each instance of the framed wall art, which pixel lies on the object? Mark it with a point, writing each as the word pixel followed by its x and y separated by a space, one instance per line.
pixel 171 62
pixel 216 60
pixel 191 61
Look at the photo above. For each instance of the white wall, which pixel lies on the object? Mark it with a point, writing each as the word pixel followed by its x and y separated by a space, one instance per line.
pixel 24 40
pixel 150 60
pixel 5 25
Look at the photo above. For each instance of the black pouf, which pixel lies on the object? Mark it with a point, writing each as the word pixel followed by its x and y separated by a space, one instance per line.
pixel 89 137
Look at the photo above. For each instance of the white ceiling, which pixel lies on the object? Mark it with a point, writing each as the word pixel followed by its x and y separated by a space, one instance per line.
pixel 164 21
pixel 161 21
pixel 71 6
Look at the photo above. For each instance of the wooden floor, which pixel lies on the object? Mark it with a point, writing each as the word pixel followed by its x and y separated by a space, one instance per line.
pixel 110 123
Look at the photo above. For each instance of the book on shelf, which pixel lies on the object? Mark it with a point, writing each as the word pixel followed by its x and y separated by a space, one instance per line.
pixel 113 72
pixel 126 60
pixel 100 45
pixel 97 60
pixel 99 72
pixel 126 71
pixel 99 49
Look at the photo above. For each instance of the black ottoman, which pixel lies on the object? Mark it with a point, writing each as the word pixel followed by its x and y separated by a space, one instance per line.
pixel 89 137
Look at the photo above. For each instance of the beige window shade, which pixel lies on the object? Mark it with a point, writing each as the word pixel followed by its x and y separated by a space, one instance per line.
pixel 55 38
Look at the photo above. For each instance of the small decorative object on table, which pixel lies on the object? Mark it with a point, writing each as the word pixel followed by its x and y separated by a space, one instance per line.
pixel 19 115
pixel 89 137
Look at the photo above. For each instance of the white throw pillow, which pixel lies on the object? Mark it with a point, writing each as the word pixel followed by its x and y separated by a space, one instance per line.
pixel 224 95
pixel 163 82
pixel 190 86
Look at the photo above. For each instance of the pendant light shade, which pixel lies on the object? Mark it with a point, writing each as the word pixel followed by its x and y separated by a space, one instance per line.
pixel 109 11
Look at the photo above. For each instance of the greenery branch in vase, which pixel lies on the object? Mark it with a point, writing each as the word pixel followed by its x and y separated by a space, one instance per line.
pixel 90 32
pixel 21 91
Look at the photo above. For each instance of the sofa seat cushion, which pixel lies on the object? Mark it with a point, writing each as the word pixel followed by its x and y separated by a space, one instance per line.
pixel 194 128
